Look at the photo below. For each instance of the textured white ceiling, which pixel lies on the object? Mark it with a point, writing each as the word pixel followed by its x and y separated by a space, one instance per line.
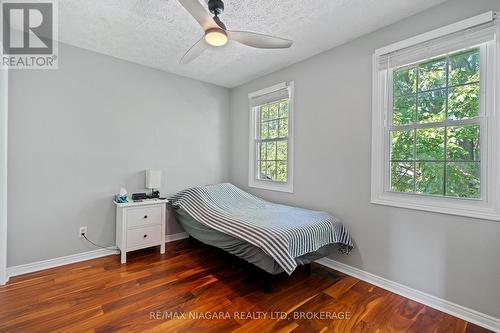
pixel 156 33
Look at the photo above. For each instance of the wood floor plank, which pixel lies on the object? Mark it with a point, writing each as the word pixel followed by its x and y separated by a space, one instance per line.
pixel 194 281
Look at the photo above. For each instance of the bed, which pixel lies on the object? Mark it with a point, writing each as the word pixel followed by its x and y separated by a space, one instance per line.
pixel 276 238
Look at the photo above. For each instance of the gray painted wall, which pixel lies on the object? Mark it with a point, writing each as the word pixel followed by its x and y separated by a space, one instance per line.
pixel 451 257
pixel 79 133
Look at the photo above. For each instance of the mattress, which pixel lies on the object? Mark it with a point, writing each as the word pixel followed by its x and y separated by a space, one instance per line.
pixel 241 248
pixel 283 232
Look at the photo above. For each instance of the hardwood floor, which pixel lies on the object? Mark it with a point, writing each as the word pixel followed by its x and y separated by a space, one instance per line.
pixel 152 292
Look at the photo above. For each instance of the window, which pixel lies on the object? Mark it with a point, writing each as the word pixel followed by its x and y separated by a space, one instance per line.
pixel 434 129
pixel 271 144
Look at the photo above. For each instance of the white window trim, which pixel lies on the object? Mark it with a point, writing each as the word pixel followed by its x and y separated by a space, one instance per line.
pixel 252 172
pixel 3 173
pixel 489 207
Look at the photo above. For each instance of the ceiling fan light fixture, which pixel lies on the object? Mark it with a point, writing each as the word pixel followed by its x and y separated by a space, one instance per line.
pixel 216 37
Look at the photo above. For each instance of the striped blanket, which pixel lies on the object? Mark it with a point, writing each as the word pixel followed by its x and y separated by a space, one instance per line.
pixel 283 232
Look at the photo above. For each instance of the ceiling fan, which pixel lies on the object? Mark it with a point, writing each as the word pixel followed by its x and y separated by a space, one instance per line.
pixel 217 35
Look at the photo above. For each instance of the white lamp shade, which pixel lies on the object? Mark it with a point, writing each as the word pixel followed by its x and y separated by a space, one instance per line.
pixel 153 179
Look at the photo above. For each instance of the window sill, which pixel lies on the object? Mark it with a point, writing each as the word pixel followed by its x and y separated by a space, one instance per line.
pixel 271 186
pixel 451 206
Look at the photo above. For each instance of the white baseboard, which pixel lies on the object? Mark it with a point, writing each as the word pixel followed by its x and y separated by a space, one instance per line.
pixel 51 263
pixel 451 308
pixel 176 237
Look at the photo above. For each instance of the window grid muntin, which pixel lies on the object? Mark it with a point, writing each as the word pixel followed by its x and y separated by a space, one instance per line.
pixel 415 125
pixel 259 141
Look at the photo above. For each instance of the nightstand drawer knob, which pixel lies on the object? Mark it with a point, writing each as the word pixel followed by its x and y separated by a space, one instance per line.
pixel 145 216
pixel 145 236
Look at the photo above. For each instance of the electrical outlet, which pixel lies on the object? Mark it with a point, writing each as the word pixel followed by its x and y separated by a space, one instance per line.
pixel 83 231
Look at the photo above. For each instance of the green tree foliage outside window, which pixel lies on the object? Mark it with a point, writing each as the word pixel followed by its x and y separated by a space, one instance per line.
pixel 272 143
pixel 434 137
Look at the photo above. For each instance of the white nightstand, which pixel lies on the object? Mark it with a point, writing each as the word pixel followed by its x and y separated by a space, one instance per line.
pixel 140 225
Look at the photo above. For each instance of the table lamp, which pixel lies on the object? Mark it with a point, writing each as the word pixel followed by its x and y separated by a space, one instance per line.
pixel 153 182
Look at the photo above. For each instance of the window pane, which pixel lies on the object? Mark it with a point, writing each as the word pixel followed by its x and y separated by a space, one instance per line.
pixel 282 150
pixel 402 145
pixel 404 110
pixel 271 170
pixel 273 111
pixel 262 151
pixel 432 106
pixel 463 102
pixel 463 143
pixel 430 144
pixel 264 114
pixel 273 129
pixel 405 81
pixel 464 68
pixel 283 130
pixel 432 75
pixel 463 179
pixel 264 134
pixel 262 170
pixel 281 172
pixel 271 151
pixel 283 109
pixel 429 178
pixel 402 176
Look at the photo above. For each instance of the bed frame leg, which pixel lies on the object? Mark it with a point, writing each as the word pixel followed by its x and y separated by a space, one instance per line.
pixel 268 283
pixel 307 269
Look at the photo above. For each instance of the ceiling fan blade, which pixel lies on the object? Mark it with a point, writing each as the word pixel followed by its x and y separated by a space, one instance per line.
pixel 195 51
pixel 260 41
pixel 200 14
